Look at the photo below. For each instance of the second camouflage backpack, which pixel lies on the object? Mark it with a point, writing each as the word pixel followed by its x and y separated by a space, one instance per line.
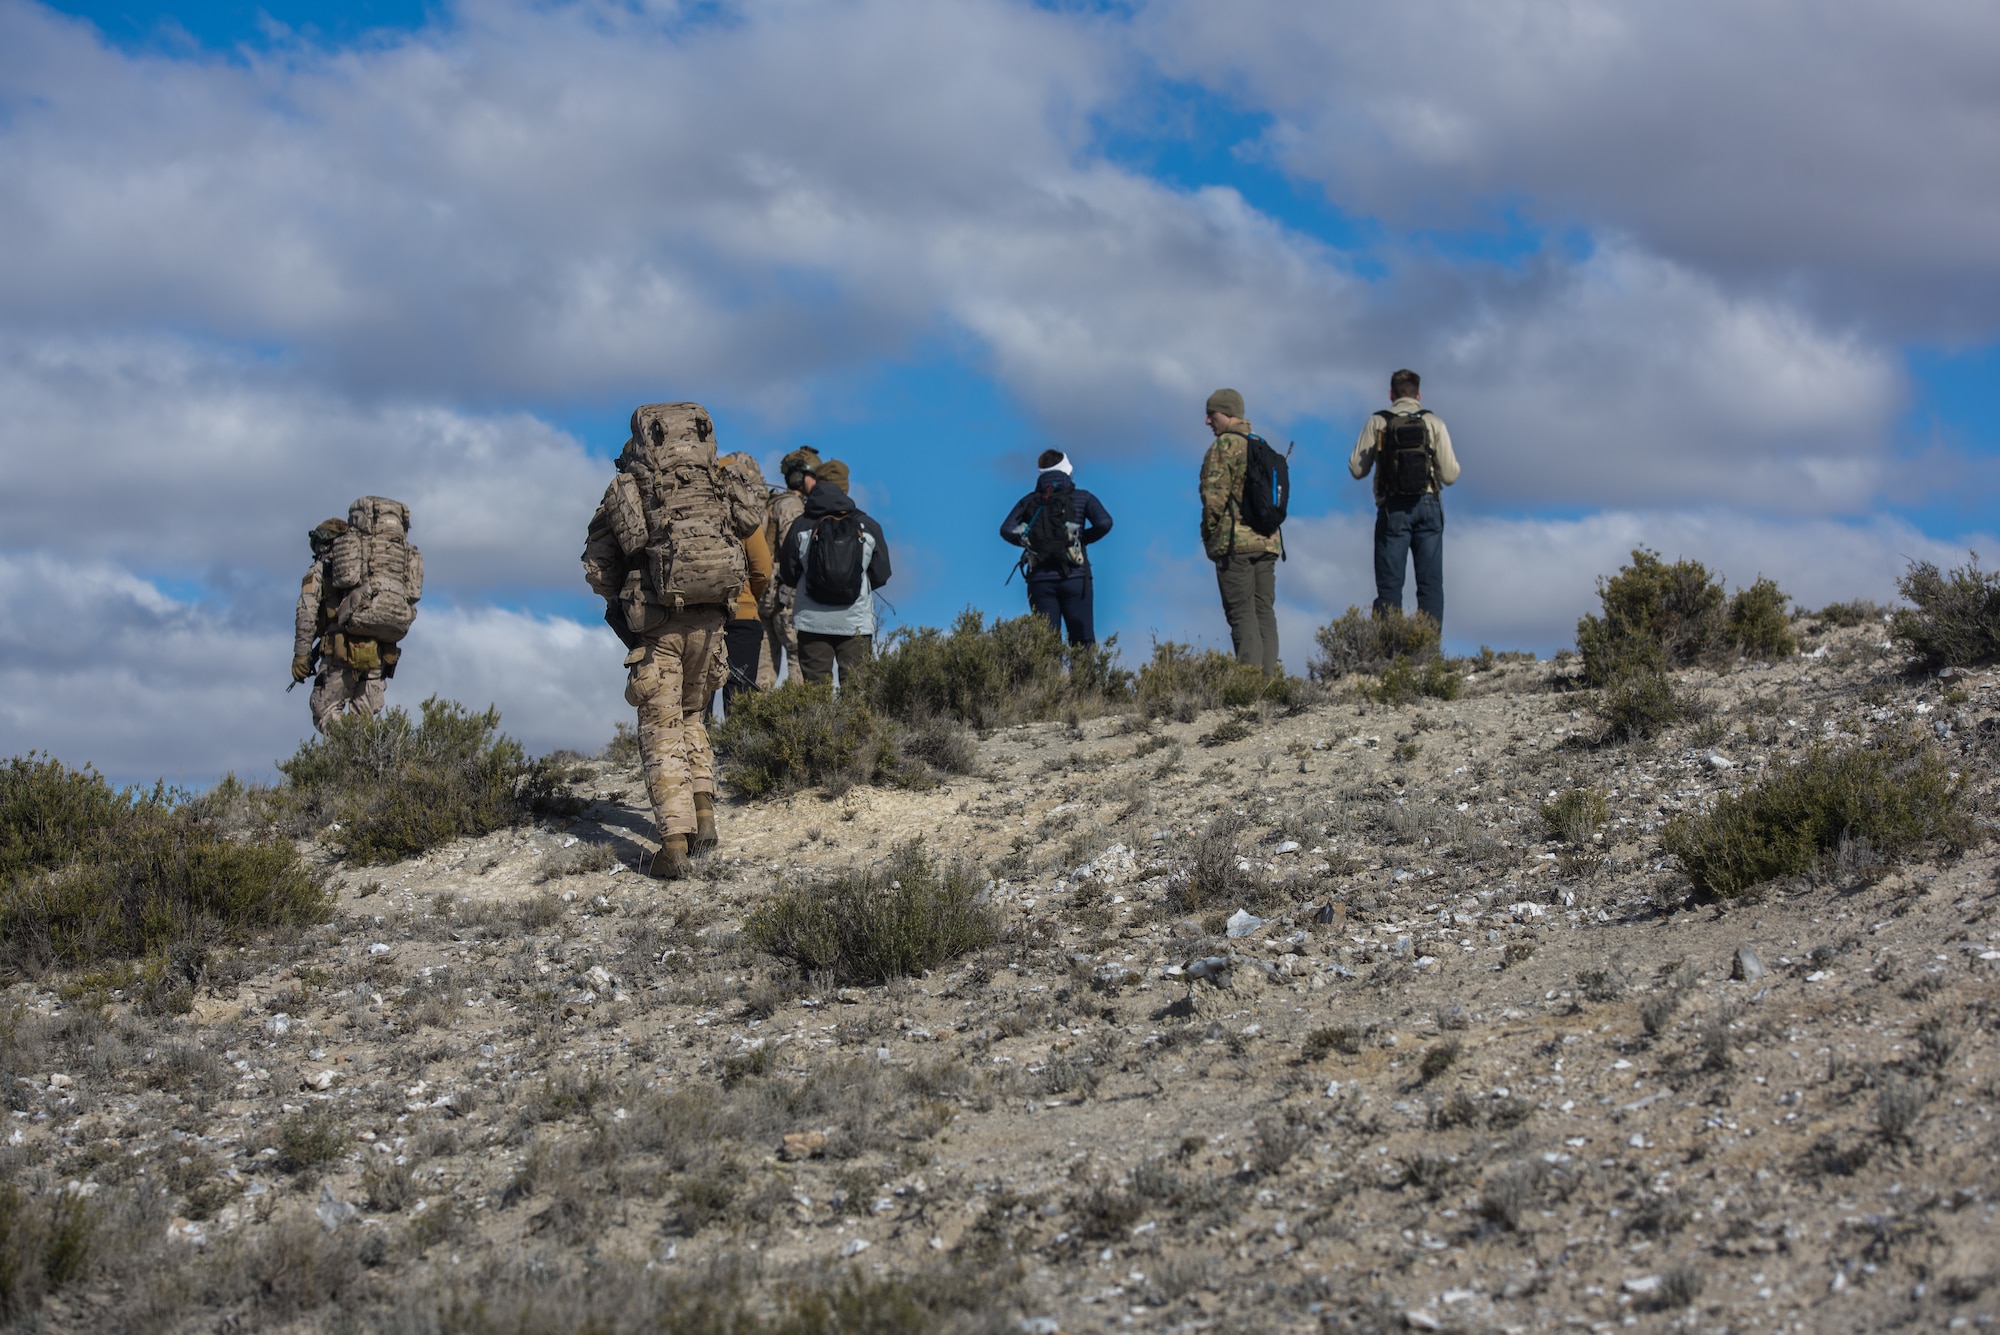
pixel 376 571
pixel 677 517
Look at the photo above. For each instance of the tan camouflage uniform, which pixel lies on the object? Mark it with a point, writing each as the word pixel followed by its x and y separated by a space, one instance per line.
pixel 671 677
pixel 779 635
pixel 339 687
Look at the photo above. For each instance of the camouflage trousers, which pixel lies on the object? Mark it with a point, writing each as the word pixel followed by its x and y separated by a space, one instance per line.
pixel 670 678
pixel 339 688
pixel 779 634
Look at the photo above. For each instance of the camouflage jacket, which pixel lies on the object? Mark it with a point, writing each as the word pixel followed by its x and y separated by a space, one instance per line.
pixel 1223 531
pixel 310 618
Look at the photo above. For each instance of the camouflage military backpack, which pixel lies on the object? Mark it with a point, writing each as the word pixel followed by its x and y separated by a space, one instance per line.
pixel 376 573
pixel 675 518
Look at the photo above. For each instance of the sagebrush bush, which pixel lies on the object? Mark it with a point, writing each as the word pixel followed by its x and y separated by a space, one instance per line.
pixel 398 786
pixel 1180 681
pixel 1654 615
pixel 1013 671
pixel 1956 618
pixel 893 921
pixel 1641 701
pixel 1759 626
pixel 1574 815
pixel 1402 682
pixel 1896 795
pixel 90 874
pixel 44 1244
pixel 1361 641
pixel 1850 614
pixel 802 735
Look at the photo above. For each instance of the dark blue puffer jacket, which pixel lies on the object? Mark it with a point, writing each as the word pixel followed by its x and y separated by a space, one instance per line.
pixel 1086 511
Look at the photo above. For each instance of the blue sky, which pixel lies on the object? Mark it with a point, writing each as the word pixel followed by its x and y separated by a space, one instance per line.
pixel 263 258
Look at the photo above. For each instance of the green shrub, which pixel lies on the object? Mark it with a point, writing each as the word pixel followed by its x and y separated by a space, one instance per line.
pixel 1895 795
pixel 1654 614
pixel 398 787
pixel 1181 681
pixel 1956 618
pixel 88 873
pixel 1013 671
pixel 1640 701
pixel 309 1139
pixel 1574 816
pixel 1363 642
pixel 1850 614
pixel 1758 624
pixel 44 1245
pixel 623 748
pixel 1402 682
pixel 801 734
pixel 908 915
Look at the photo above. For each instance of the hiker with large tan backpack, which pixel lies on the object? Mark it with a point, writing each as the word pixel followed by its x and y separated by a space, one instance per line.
pixel 356 603
pixel 665 552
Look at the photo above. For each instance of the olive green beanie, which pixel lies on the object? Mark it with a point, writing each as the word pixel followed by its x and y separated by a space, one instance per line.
pixel 1227 402
pixel 832 471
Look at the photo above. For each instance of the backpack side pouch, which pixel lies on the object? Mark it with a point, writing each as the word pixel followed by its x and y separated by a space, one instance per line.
pixel 625 508
pixel 643 612
pixel 347 560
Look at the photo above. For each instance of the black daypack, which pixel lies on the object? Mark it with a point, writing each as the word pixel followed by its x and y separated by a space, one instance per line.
pixel 833 560
pixel 1050 533
pixel 1403 455
pixel 1267 487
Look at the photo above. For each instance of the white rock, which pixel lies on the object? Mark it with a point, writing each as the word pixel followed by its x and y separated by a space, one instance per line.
pixel 1717 760
pixel 378 949
pixel 1288 846
pixel 1642 1285
pixel 1243 923
pixel 855 1246
pixel 278 1025
pixel 60 1081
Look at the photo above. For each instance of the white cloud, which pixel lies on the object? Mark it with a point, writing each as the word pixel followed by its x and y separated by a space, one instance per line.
pixel 1840 145
pixel 99 666
pixel 563 202
pixel 176 459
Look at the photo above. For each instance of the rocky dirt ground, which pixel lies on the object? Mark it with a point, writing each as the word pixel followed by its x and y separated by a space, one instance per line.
pixel 1441 1073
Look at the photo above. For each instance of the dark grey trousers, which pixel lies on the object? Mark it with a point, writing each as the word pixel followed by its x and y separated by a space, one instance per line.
pixel 818 653
pixel 1249 587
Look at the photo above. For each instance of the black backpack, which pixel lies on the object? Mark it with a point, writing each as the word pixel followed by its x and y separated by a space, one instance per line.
pixel 1267 487
pixel 833 560
pixel 1403 455
pixel 1047 534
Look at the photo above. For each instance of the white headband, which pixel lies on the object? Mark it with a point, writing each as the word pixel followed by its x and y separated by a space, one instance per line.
pixel 1060 466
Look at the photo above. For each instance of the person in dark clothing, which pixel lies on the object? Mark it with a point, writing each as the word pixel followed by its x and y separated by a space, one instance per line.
pixel 833 632
pixel 1056 561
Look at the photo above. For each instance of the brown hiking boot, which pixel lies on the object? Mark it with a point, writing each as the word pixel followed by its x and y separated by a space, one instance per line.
pixel 671 862
pixel 704 822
